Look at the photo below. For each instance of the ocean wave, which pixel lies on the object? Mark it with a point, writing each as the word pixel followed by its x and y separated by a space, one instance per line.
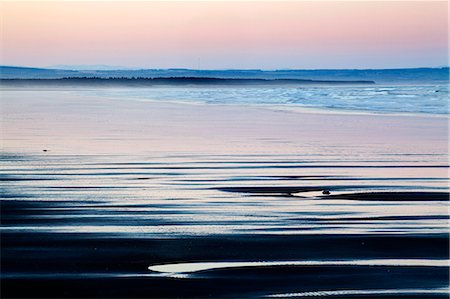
pixel 421 99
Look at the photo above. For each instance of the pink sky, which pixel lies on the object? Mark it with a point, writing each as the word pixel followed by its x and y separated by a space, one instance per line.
pixel 213 35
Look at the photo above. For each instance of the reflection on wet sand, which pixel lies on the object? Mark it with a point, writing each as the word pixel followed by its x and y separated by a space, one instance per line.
pixel 236 192
pixel 196 267
pixel 83 219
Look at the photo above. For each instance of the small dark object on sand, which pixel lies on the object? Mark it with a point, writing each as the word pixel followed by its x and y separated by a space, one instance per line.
pixel 45 150
pixel 326 192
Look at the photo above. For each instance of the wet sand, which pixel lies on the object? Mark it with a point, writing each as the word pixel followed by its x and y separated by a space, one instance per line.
pixel 127 186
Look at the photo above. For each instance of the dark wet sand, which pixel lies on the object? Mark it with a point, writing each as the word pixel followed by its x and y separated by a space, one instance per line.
pixel 91 266
pixel 124 185
pixel 111 258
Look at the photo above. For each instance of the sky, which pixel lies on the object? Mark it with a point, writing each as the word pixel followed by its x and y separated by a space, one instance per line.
pixel 226 35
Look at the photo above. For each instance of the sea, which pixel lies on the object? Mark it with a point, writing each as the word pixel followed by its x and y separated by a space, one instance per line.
pixel 430 99
pixel 225 191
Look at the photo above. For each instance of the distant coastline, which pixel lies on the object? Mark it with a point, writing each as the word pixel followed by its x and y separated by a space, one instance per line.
pixel 380 76
pixel 176 81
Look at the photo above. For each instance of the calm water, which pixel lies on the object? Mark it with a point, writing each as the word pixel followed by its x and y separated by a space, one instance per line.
pixel 242 217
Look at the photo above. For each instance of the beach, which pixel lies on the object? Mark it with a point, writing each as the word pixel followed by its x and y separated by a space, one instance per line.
pixel 102 196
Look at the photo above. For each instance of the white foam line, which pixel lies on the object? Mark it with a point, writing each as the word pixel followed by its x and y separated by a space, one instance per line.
pixel 361 292
pixel 195 267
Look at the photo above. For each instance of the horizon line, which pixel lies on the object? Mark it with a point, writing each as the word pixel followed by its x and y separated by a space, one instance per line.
pixel 130 68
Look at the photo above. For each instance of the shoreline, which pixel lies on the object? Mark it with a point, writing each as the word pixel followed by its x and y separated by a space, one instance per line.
pixel 107 188
pixel 66 122
pixel 80 90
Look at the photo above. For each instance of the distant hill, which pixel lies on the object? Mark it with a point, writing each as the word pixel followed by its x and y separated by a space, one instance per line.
pixel 431 75
pixel 174 81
